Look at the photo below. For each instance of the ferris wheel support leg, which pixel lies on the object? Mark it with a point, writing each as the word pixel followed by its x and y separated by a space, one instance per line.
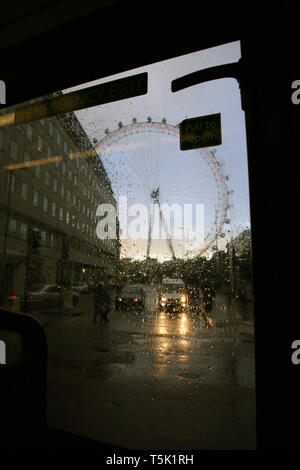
pixel 150 232
pixel 169 241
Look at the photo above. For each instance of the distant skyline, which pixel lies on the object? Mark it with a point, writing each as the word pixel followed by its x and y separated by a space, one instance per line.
pixel 131 166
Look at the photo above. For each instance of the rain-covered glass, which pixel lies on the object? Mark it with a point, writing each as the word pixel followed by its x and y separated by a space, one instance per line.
pixel 136 258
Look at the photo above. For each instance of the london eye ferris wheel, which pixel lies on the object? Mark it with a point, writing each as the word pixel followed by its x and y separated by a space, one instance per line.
pixel 145 164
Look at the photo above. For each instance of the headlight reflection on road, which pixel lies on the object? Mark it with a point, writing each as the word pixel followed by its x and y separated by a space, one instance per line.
pixel 168 348
pixel 161 324
pixel 163 344
pixel 168 325
pixel 183 324
pixel 162 362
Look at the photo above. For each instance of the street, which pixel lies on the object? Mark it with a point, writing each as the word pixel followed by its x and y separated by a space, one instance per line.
pixel 151 380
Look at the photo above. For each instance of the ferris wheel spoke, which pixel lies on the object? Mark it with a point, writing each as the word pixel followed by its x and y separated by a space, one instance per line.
pixel 140 173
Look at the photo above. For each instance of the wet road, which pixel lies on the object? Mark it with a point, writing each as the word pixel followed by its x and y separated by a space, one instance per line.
pixel 150 380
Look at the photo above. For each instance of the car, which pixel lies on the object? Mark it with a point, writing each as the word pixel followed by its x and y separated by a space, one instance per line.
pixel 81 288
pixel 173 296
pixel 92 286
pixel 47 296
pixel 130 297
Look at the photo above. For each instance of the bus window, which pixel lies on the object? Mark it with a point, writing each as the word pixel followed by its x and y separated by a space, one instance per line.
pixel 102 198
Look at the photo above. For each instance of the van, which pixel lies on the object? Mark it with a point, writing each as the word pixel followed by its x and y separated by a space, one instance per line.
pixel 173 296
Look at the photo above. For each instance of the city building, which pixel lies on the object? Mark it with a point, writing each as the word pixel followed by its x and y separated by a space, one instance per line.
pixel 51 183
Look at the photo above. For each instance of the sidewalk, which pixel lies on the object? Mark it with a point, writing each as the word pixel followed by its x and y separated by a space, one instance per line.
pixel 232 313
pixel 245 328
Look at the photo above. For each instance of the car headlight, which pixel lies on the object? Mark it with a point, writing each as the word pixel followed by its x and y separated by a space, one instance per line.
pixel 136 299
pixel 119 299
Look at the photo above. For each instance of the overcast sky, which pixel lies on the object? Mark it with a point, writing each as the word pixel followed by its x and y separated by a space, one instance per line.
pixel 138 163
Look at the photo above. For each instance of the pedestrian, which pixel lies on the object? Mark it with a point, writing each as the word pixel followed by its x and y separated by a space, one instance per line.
pixel 208 289
pixel 101 303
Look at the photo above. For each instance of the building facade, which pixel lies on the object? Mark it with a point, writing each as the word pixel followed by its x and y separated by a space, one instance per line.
pixel 51 182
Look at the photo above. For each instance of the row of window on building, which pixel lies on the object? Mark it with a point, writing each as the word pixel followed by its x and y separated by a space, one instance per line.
pixel 67 196
pixel 38 170
pixel 65 216
pixel 22 229
pixel 29 133
pixel 48 238
pixel 72 176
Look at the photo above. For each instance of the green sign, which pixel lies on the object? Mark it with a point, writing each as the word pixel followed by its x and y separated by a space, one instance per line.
pixel 199 132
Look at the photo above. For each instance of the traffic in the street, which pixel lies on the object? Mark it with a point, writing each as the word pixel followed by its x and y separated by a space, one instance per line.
pixel 153 378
